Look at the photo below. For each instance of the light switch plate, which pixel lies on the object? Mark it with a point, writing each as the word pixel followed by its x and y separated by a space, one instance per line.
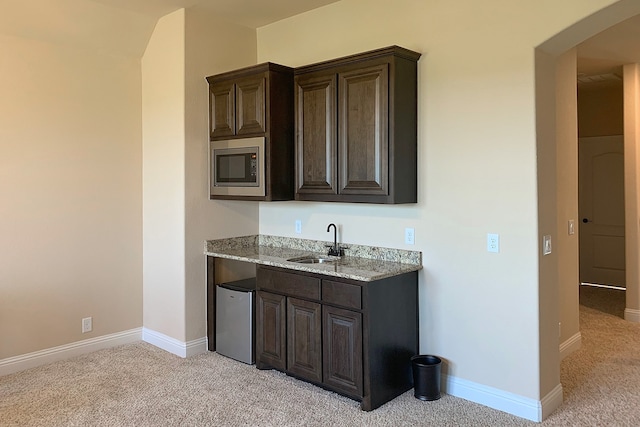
pixel 546 245
pixel 572 228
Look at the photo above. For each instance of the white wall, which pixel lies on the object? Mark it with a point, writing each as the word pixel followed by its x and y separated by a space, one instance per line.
pixel 632 189
pixel 186 46
pixel 163 171
pixel 212 46
pixel 546 77
pixel 70 190
pixel 567 201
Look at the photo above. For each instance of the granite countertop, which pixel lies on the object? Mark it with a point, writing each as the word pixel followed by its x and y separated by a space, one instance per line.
pixel 364 263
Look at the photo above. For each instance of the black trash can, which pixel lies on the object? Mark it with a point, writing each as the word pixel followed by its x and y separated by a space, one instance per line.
pixel 426 377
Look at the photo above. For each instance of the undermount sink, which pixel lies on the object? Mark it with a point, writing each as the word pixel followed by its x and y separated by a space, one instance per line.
pixel 311 259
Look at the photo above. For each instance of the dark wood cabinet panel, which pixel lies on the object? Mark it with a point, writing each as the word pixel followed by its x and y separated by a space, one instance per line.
pixel 342 294
pixel 363 147
pixel 391 328
pixel 271 345
pixel 316 134
pixel 237 107
pixel 221 110
pixel 288 283
pixel 211 303
pixel 342 352
pixel 367 135
pixel 250 105
pixel 304 339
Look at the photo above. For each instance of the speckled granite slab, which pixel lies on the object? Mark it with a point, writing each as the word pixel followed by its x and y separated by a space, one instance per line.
pixel 364 263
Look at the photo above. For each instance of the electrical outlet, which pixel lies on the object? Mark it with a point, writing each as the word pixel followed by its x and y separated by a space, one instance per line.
pixel 87 324
pixel 410 236
pixel 546 245
pixel 298 226
pixel 493 243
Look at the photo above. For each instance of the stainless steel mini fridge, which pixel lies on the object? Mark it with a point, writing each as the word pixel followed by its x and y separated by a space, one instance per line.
pixel 235 331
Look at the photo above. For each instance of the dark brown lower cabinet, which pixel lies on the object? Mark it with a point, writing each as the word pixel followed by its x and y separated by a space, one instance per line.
pixel 354 338
pixel 342 352
pixel 271 337
pixel 304 339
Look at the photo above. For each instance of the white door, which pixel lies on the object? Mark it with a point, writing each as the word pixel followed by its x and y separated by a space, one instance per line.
pixel 601 209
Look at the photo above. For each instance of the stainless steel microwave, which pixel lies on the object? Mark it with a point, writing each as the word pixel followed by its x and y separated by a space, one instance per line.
pixel 237 167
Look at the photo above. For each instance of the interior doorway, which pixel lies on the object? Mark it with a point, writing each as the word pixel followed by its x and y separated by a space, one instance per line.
pixel 601 211
pixel 601 195
pixel 560 75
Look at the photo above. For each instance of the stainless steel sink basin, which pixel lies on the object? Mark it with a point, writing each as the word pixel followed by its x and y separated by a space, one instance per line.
pixel 312 259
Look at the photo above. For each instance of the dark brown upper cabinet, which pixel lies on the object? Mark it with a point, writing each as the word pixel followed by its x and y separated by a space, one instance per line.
pixel 257 101
pixel 238 106
pixel 356 128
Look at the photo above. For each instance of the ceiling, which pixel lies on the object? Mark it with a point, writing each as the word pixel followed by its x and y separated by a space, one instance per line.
pixel 600 55
pixel 91 23
pixel 124 27
pixel 250 13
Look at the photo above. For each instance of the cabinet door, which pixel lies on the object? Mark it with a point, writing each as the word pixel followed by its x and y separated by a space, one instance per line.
pixel 363 138
pixel 271 335
pixel 221 109
pixel 304 339
pixel 315 104
pixel 342 351
pixel 250 105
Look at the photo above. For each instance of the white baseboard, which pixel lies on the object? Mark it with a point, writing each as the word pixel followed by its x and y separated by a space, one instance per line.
pixel 632 315
pixel 172 345
pixel 551 402
pixel 54 354
pixel 569 346
pixel 524 407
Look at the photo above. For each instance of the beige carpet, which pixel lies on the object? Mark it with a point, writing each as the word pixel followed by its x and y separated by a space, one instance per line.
pixel 140 385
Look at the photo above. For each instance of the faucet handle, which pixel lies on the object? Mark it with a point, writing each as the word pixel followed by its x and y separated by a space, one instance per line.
pixel 336 251
pixel 333 251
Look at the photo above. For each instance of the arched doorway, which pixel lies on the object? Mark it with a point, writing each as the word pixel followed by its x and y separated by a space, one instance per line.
pixel 557 192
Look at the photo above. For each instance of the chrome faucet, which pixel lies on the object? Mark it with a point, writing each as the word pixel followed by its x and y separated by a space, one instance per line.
pixel 335 250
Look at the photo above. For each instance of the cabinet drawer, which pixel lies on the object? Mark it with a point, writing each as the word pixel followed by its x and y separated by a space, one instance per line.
pixel 343 294
pixel 288 283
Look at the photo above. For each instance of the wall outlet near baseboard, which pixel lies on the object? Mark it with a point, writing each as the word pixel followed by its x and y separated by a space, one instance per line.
pixel 87 324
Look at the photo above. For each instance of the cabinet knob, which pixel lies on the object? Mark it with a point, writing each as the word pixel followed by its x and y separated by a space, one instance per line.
pixel 586 220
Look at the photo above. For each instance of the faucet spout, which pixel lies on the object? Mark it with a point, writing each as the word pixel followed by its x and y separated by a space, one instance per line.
pixel 334 250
